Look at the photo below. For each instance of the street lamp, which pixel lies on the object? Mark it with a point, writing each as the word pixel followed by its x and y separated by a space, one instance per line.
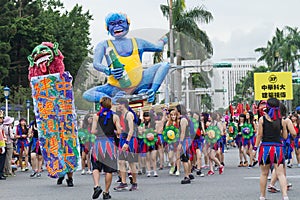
pixel 6 95
pixel 28 106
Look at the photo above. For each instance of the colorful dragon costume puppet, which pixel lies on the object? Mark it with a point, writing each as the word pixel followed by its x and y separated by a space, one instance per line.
pixel 54 109
pixel 124 63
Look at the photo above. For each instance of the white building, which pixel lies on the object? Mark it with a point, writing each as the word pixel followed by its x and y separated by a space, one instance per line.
pixel 225 79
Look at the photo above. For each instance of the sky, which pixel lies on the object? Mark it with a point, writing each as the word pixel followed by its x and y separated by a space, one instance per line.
pixel 239 26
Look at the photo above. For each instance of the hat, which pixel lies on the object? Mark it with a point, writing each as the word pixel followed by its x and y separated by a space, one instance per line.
pixel 8 120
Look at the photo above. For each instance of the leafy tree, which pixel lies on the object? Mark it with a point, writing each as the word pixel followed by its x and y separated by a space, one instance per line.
pixel 282 52
pixel 7 30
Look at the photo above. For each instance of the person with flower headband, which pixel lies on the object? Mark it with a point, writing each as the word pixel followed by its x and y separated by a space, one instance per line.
pixel 128 145
pixel 270 128
pixel 104 153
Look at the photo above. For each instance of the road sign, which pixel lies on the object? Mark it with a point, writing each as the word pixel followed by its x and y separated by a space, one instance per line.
pixel 222 65
pixel 273 84
pixel 221 90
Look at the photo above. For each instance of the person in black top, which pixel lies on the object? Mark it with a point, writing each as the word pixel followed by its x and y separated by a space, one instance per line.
pixel 128 145
pixel 35 150
pixel 104 157
pixel 270 128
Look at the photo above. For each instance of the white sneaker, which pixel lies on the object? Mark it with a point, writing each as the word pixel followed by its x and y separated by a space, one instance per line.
pixel 177 173
pixel 299 165
pixel 83 172
pixel 89 172
pixel 148 174
pixel 172 170
pixel 155 174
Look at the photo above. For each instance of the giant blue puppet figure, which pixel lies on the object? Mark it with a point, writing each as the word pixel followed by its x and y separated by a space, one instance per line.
pixel 124 59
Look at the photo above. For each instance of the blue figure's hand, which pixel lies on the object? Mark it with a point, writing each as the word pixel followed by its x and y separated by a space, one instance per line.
pixel 107 71
pixel 164 39
pixel 119 95
pixel 117 73
pixel 150 93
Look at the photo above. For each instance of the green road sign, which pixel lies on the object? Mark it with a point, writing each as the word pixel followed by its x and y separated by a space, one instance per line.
pixel 222 65
pixel 296 80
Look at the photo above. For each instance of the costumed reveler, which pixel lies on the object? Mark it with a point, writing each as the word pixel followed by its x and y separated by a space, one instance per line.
pixel 22 143
pixel 185 143
pixel 124 63
pixel 271 127
pixel 104 150
pixel 171 138
pixel 128 145
pixel 239 141
pixel 54 109
pixel 35 150
pixel 212 137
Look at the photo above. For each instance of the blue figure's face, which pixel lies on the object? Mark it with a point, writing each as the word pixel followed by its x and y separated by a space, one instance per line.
pixel 117 25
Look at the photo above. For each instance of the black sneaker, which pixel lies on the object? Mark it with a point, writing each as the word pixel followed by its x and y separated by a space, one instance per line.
pixel 133 187
pixel 119 180
pixel 255 163
pixel 130 178
pixel 175 170
pixel 186 180
pixel 199 173
pixel 122 186
pixel 106 195
pixel 60 180
pixel 97 192
pixel 33 174
pixel 222 163
pixel 191 176
pixel 70 182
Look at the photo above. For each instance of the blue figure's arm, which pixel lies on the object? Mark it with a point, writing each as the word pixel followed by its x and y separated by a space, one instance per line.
pixel 145 46
pixel 98 57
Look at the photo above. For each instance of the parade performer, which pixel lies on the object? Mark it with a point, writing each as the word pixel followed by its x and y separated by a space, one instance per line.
pixel 198 143
pixel 212 137
pixel 248 134
pixel 35 150
pixel 86 139
pixel 104 152
pixel 128 145
pixel 270 127
pixel 185 144
pixel 54 109
pixel 239 141
pixel 150 139
pixel 171 137
pixel 22 142
pixel 124 63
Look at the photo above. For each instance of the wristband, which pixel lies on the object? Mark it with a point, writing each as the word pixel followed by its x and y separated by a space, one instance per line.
pixel 254 148
pixel 126 142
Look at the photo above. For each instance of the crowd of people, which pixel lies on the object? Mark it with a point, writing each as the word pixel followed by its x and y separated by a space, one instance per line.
pixel 130 143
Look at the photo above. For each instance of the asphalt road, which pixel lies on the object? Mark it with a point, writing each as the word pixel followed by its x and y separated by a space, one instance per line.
pixel 235 184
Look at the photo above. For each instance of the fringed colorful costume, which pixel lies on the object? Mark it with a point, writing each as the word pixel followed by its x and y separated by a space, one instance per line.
pixel 104 149
pixel 270 153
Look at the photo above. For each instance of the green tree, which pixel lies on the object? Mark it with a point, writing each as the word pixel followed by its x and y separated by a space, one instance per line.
pixel 45 20
pixel 7 32
pixel 282 52
pixel 245 87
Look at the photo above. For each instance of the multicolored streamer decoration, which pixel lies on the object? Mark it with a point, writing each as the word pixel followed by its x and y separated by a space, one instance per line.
pixel 247 131
pixel 150 137
pixel 213 134
pixel 232 130
pixel 171 134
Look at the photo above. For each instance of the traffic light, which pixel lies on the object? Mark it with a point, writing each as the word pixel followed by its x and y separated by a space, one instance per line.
pixel 296 80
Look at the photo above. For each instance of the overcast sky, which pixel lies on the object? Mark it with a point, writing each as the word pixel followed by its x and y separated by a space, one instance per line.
pixel 239 26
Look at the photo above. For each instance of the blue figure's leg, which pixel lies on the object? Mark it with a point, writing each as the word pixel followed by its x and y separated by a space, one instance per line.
pixel 96 93
pixel 152 79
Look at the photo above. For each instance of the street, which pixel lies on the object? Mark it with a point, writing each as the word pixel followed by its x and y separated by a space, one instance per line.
pixel 235 184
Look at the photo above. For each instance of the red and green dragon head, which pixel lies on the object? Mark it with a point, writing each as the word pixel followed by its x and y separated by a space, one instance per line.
pixel 45 59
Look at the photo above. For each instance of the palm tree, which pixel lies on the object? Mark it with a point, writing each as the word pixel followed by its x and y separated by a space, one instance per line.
pixel 190 41
pixel 282 51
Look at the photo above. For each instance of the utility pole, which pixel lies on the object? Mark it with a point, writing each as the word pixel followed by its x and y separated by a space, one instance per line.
pixel 171 50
